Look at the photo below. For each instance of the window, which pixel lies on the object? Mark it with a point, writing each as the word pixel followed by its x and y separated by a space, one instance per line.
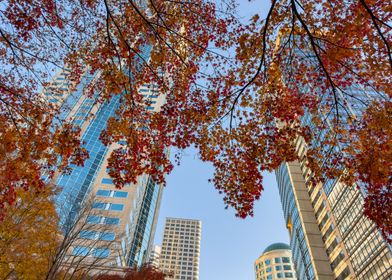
pixel 102 220
pixel 103 193
pixel 112 221
pixel 107 193
pixel 344 274
pixel 268 269
pixel 116 207
pixel 120 194
pixel 107 236
pixel 287 267
pixel 269 277
pixel 99 205
pixel 93 219
pixel 278 260
pixel 80 251
pixel 333 245
pixel 108 206
pixel 288 274
pixel 286 259
pixel 107 181
pixel 278 267
pixel 101 252
pixel 88 234
pixel 280 275
pixel 337 260
pixel 267 262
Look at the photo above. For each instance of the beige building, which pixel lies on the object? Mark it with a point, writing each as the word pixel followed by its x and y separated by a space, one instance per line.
pixel 330 237
pixel 180 253
pixel 275 263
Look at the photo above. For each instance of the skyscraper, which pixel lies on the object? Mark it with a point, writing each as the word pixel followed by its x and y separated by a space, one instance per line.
pixel 329 235
pixel 181 248
pixel 275 263
pixel 120 224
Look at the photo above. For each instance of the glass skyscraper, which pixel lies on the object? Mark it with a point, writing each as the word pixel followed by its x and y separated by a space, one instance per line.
pixel 330 237
pixel 118 228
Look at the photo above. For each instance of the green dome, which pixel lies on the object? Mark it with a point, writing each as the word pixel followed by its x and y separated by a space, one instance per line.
pixel 277 246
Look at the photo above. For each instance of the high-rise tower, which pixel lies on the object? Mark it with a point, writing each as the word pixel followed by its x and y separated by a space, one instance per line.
pixel 118 228
pixel 180 252
pixel 330 237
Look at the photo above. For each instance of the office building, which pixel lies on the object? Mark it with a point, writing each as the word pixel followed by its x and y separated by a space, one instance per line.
pixel 118 224
pixel 180 253
pixel 330 237
pixel 329 234
pixel 275 263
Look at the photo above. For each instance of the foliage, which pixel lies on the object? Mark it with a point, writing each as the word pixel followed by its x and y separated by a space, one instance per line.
pixel 33 247
pixel 310 70
pixel 145 272
pixel 29 236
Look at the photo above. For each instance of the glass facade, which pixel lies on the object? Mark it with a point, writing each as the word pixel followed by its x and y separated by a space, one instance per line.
pixel 75 185
pixel 117 219
pixel 299 247
pixel 353 247
pixel 145 226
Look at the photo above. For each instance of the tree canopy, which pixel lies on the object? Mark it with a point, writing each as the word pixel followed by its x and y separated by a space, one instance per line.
pixel 29 236
pixel 239 92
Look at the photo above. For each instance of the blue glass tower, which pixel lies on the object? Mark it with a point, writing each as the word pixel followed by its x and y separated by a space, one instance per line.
pixel 116 227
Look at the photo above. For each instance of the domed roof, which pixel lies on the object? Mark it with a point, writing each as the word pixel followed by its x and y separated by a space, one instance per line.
pixel 276 246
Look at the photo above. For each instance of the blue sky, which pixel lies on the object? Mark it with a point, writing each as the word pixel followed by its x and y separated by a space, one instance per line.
pixel 229 245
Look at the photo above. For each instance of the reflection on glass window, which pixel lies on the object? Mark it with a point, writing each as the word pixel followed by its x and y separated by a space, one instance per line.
pixel 107 181
pixel 107 236
pixel 288 275
pixel 80 251
pixel 101 253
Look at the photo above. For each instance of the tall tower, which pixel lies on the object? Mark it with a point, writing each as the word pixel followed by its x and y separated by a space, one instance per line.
pixel 275 263
pixel 118 227
pixel 180 253
pixel 330 237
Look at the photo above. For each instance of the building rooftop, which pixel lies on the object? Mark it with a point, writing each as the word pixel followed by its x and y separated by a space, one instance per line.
pixel 276 246
pixel 182 219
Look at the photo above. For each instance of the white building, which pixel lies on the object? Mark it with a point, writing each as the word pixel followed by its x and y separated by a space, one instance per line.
pixel 155 256
pixel 181 248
